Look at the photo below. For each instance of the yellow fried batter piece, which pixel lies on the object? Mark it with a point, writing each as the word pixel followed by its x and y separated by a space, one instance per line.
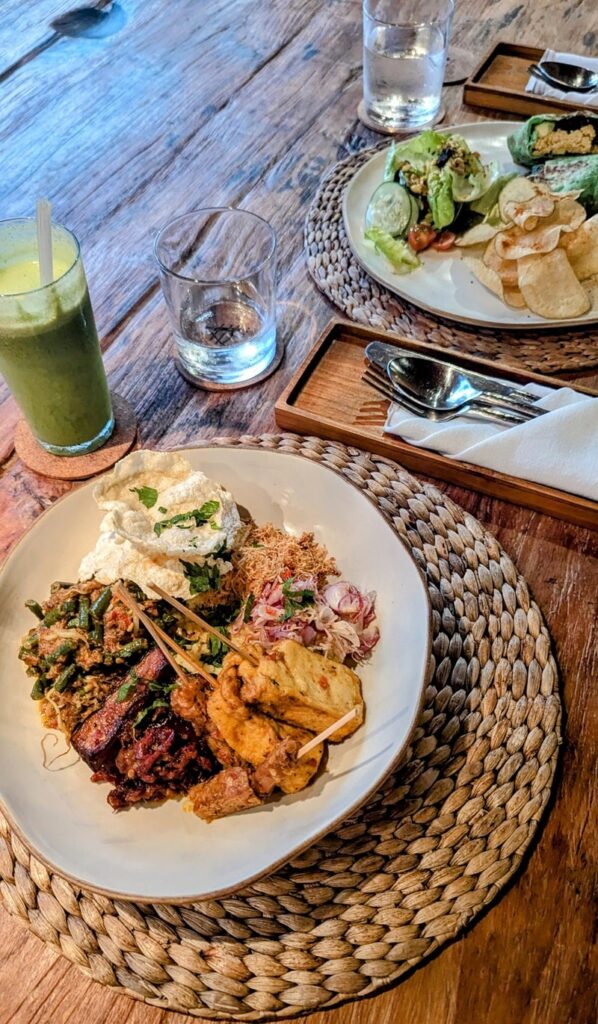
pixel 299 686
pixel 252 735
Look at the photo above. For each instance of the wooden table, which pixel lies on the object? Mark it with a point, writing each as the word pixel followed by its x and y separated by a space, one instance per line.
pixel 224 102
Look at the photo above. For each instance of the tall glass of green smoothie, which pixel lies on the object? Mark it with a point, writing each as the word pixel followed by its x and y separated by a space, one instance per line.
pixel 49 350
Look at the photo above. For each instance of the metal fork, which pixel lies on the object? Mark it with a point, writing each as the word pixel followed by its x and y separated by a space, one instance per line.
pixel 376 379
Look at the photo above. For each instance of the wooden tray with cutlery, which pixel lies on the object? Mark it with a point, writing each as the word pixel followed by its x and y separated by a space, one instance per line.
pixel 499 81
pixel 327 397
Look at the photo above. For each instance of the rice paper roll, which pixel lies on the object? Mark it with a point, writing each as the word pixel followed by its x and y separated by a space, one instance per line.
pixel 545 136
pixel 572 174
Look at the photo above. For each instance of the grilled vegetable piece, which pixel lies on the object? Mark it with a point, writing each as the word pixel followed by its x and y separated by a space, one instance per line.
pixel 97 736
pixel 297 685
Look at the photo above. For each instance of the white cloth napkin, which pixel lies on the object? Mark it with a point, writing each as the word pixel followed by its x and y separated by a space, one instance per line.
pixel 585 99
pixel 559 449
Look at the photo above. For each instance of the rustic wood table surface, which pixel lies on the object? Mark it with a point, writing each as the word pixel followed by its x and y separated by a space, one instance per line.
pixel 233 102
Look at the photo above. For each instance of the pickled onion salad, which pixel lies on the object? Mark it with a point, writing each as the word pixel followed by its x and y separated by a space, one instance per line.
pixel 336 619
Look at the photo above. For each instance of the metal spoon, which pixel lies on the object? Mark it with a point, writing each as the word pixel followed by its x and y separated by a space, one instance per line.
pixel 474 410
pixel 381 353
pixel 566 77
pixel 444 387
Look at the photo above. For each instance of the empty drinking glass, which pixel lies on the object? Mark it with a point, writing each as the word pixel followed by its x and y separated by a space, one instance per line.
pixel 218 269
pixel 404 54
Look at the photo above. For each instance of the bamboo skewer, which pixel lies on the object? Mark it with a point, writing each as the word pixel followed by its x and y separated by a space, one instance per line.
pixel 305 749
pixel 201 622
pixel 162 640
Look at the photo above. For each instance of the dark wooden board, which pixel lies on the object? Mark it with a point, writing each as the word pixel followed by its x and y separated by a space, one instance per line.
pixel 327 397
pixel 498 83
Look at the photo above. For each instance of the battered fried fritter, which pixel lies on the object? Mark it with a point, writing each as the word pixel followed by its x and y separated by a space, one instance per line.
pixel 298 686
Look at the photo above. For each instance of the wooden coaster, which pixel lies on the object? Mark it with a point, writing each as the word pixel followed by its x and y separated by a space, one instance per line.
pixel 79 467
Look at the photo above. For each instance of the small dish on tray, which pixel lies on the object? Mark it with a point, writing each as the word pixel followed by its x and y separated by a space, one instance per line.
pixel 158 853
pixel 444 284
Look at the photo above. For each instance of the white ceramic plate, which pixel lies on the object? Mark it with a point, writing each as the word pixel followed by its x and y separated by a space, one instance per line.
pixel 444 284
pixel 163 854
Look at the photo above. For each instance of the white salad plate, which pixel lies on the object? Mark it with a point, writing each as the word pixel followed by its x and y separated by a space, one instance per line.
pixel 162 853
pixel 444 284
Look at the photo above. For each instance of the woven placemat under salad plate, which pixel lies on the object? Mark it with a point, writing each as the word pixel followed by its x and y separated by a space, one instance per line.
pixel 414 866
pixel 343 280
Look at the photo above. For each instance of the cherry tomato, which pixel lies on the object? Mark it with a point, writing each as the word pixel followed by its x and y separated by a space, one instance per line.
pixel 421 236
pixel 445 240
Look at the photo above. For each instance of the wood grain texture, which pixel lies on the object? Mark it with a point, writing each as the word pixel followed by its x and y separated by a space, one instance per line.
pixel 248 104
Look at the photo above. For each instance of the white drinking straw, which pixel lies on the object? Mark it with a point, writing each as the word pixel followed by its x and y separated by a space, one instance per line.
pixel 44 241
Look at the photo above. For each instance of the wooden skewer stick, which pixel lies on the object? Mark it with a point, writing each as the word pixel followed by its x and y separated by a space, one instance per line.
pixel 162 640
pixel 194 617
pixel 305 749
pixel 190 661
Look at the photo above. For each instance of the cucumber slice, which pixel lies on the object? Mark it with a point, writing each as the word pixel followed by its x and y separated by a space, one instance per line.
pixel 415 212
pixel 390 209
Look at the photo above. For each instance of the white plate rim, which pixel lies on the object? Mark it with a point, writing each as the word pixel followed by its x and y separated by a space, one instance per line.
pixel 332 825
pixel 537 324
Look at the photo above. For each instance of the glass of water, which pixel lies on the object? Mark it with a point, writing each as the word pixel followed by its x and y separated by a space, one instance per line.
pixel 404 54
pixel 218 275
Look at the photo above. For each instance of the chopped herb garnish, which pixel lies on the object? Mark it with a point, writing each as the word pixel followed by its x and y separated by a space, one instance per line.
pixel 294 600
pixel 148 496
pixel 201 577
pixel 199 515
pixel 156 687
pixel 214 525
pixel 162 510
pixel 248 607
pixel 215 653
pixel 158 703
pixel 125 691
pixel 127 687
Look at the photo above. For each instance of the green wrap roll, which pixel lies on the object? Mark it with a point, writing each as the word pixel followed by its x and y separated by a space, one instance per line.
pixel 545 136
pixel 572 174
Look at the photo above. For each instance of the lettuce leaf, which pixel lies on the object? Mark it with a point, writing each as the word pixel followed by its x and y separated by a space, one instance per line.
pixel 417 151
pixel 400 255
pixel 440 198
pixel 485 203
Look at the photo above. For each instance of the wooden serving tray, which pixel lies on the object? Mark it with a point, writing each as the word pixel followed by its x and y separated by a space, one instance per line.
pixel 499 83
pixel 327 397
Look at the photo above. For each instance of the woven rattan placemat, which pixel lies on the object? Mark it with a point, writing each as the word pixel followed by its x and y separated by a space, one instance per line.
pixel 415 865
pixel 344 281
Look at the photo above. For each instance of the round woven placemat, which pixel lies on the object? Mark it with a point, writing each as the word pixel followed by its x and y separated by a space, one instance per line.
pixel 405 875
pixel 343 280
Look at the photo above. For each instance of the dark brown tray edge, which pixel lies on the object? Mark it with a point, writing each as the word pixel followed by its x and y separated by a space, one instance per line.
pixel 538 497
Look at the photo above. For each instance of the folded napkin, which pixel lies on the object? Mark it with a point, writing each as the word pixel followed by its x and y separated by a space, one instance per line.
pixel 585 99
pixel 559 449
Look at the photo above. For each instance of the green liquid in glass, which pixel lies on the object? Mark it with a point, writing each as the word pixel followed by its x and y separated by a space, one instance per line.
pixel 56 374
pixel 49 351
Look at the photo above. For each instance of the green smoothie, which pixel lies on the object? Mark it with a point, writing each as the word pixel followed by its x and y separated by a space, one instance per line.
pixel 49 350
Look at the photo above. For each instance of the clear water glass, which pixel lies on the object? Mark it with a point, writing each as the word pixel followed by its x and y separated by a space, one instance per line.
pixel 405 45
pixel 218 274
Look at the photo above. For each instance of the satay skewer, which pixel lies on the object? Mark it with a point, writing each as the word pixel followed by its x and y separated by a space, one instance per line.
pixel 305 749
pixel 194 617
pixel 162 639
